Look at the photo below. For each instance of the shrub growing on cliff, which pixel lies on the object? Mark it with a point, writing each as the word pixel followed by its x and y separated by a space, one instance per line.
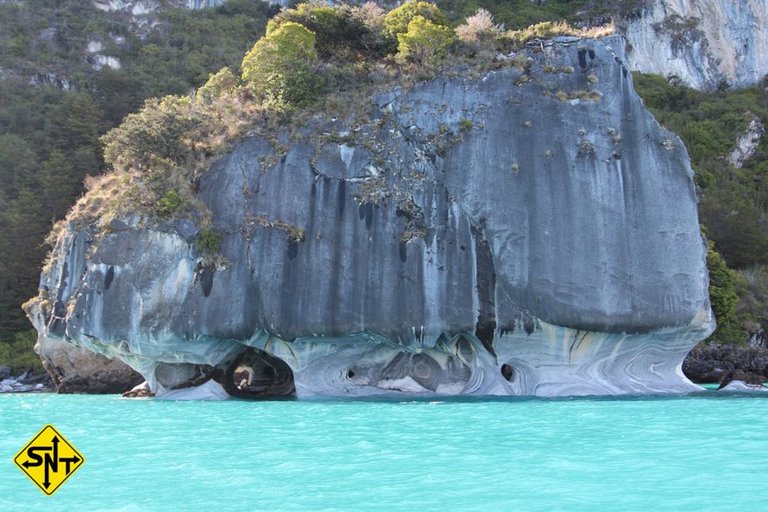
pixel 280 67
pixel 153 137
pixel 169 203
pixel 549 29
pixel 424 42
pixel 208 242
pixel 479 27
pixel 218 84
pixel 545 29
pixel 340 30
pixel 397 20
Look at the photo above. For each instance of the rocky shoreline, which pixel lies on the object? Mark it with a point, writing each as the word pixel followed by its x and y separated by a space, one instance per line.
pixel 26 382
pixel 708 363
pixel 75 369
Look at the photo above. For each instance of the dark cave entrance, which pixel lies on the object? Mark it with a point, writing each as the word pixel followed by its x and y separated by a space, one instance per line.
pixel 508 372
pixel 257 374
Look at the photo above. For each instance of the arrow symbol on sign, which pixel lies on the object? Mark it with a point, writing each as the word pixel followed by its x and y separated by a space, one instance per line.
pixel 51 462
pixel 69 460
pixel 55 442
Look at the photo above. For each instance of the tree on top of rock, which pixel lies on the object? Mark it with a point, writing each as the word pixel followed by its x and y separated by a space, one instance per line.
pixel 397 20
pixel 424 42
pixel 280 67
pixel 341 30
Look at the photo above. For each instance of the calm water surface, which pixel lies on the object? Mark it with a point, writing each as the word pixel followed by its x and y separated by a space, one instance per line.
pixel 693 453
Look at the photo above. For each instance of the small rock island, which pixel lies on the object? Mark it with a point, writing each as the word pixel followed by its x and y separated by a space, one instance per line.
pixel 526 228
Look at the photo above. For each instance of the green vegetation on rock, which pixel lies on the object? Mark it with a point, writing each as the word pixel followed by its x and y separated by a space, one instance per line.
pixel 280 67
pixel 397 21
pixel 169 203
pixel 424 42
pixel 343 32
pixel 219 84
pixel 152 137
pixel 519 14
pixel 209 242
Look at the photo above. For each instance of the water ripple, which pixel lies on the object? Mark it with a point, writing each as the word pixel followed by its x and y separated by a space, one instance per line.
pixel 618 454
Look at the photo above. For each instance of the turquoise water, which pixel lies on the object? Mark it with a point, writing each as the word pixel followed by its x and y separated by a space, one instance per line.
pixel 693 453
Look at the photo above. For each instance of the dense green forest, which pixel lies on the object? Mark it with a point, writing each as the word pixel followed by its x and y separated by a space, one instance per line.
pixel 55 105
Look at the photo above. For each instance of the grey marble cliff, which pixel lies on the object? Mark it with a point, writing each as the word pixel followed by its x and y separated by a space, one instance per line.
pixel 480 235
pixel 703 42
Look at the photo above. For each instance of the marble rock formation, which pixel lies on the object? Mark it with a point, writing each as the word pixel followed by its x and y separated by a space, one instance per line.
pixel 522 232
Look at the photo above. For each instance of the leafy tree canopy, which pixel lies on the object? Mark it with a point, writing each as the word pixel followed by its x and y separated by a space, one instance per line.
pixel 424 41
pixel 218 84
pixel 339 30
pixel 397 20
pixel 154 134
pixel 280 67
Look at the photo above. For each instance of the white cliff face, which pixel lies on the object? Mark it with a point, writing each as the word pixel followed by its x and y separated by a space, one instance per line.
pixel 135 7
pixel 94 46
pixel 704 42
pixel 99 61
pixel 746 145
pixel 202 4
pixel 105 61
pixel 139 7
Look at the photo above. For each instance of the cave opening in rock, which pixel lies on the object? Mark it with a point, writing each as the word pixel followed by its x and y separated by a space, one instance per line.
pixel 257 374
pixel 507 372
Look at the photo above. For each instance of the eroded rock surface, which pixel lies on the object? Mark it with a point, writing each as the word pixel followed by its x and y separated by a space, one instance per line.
pixel 747 143
pixel 705 43
pixel 78 370
pixel 524 232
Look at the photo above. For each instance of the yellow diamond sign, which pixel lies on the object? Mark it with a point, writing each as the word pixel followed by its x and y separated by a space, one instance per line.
pixel 49 459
